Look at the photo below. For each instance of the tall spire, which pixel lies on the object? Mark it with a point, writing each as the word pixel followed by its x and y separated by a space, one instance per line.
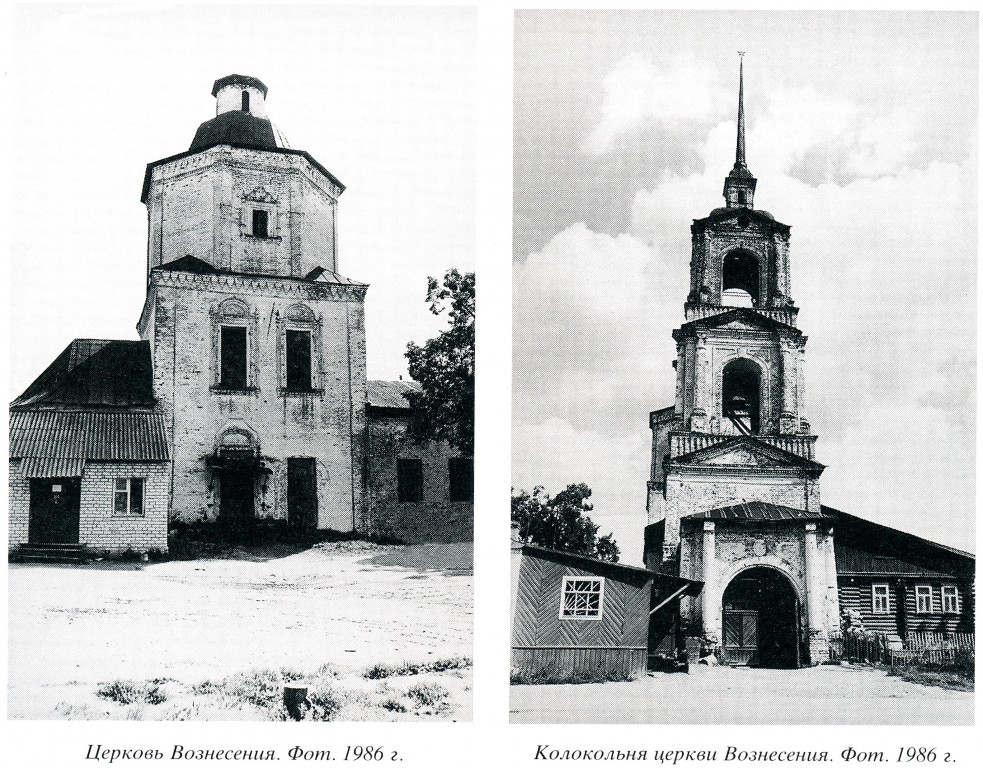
pixel 739 184
pixel 740 161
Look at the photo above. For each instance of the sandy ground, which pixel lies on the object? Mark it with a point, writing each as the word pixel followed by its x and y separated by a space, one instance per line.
pixel 824 695
pixel 73 627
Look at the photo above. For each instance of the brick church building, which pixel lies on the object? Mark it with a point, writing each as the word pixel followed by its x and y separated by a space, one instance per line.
pixel 734 492
pixel 246 397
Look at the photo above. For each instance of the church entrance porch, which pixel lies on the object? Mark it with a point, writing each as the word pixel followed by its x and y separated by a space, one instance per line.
pixel 761 621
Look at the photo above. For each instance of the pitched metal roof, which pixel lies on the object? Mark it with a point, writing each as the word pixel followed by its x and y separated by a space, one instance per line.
pixel 757 510
pixel 95 372
pixel 92 435
pixel 853 561
pixel 390 394
pixel 627 573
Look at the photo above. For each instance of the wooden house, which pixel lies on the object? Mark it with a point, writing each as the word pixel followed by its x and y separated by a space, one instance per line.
pixel 575 615
pixel 901 584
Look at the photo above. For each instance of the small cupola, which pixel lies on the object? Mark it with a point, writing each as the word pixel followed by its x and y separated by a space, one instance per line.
pixel 240 93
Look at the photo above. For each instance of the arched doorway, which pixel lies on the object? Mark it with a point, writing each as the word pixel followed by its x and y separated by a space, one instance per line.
pixel 761 620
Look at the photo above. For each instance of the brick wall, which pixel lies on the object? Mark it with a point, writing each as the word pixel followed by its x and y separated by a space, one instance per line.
pixel 201 205
pixel 18 506
pixel 327 424
pixel 102 530
pixel 436 518
pixel 98 526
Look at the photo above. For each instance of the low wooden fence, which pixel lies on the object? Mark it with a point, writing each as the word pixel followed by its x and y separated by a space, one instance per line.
pixel 917 648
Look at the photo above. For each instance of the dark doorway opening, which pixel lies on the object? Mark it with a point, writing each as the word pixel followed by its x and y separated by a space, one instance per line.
pixel 237 504
pixel 54 514
pixel 302 494
pixel 761 621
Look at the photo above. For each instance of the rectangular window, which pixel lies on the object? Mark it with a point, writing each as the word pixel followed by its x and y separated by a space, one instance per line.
pixel 298 360
pixel 950 599
pixel 409 480
pixel 923 598
pixel 260 223
pixel 233 356
pixel 880 598
pixel 582 598
pixel 460 474
pixel 128 496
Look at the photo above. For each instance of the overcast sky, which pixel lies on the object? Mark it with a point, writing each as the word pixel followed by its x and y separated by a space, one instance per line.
pixel 862 134
pixel 383 97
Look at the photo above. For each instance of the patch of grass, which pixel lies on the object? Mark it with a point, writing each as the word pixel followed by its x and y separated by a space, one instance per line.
pixel 382 671
pixel 956 674
pixel 127 692
pixel 392 705
pixel 432 696
pixel 552 675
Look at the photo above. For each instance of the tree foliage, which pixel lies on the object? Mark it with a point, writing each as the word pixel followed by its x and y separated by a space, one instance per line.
pixel 443 409
pixel 560 522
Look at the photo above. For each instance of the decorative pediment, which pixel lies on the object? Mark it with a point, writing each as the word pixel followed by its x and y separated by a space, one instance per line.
pixel 259 195
pixel 743 452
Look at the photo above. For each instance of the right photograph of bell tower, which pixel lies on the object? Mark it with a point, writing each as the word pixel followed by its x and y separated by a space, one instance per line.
pixel 660 377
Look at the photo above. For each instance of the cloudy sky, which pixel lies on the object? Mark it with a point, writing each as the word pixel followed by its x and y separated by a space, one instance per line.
pixel 862 134
pixel 382 97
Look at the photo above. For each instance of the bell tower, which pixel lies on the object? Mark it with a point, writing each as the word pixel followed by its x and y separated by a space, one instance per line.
pixel 735 451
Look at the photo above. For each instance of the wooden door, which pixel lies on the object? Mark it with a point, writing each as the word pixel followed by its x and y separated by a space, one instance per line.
pixel 302 494
pixel 54 514
pixel 740 636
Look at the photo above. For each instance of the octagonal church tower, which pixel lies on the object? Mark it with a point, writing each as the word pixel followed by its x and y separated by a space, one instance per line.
pixel 733 495
pixel 258 343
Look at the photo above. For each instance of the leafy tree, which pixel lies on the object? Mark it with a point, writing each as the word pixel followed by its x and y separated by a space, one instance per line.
pixel 561 522
pixel 443 409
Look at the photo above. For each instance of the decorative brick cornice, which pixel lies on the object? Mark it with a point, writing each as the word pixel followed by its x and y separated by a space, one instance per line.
pixel 273 285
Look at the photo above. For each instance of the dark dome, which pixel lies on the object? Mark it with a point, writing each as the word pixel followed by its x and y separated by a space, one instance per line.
pixel 238 129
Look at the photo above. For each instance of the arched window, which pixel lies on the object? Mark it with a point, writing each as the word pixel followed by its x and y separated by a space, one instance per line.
pixel 740 280
pixel 231 342
pixel 245 101
pixel 741 397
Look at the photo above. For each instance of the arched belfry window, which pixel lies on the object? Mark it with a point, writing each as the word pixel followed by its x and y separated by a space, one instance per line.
pixel 741 280
pixel 741 397
pixel 245 101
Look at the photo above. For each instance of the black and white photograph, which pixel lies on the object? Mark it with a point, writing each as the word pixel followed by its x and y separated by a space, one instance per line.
pixel 241 365
pixel 714 521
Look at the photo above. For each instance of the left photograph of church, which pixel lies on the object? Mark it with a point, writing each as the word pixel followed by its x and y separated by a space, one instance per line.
pixel 241 420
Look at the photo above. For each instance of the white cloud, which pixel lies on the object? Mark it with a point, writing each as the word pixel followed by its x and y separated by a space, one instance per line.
pixel 639 92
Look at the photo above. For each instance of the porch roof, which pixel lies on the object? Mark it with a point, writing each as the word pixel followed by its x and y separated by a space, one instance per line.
pixel 757 510
pixel 88 435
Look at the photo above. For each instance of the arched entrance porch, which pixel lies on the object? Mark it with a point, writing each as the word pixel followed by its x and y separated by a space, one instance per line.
pixel 761 620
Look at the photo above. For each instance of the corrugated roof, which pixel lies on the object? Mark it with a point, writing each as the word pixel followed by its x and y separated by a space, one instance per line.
pixel 116 436
pixel 33 466
pixel 95 372
pixel 390 394
pixel 757 510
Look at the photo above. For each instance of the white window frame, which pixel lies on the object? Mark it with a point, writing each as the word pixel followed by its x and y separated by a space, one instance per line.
pixel 880 598
pixel 564 616
pixel 128 490
pixel 950 592
pixel 923 591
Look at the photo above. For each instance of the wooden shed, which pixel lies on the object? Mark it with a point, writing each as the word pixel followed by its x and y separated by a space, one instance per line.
pixel 578 615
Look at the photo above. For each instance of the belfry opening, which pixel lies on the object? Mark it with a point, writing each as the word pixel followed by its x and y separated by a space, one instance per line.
pixel 741 397
pixel 739 287
pixel 761 621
